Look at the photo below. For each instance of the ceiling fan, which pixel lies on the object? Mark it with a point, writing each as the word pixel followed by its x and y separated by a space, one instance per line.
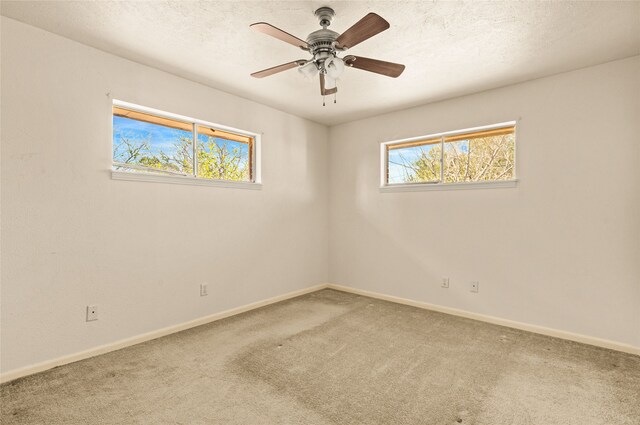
pixel 324 46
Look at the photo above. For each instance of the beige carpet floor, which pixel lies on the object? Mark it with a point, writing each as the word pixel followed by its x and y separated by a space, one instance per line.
pixel 336 358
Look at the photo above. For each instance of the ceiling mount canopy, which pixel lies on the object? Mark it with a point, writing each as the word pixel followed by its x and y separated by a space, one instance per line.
pixel 325 45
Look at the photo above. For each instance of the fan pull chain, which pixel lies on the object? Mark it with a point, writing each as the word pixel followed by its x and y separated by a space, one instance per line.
pixel 323 104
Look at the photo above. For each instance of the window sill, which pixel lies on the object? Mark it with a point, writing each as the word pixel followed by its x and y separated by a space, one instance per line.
pixel 420 187
pixel 194 181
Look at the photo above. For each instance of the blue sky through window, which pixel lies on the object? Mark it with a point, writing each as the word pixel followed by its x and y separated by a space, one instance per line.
pixel 160 138
pixel 159 144
pixel 461 145
pixel 401 160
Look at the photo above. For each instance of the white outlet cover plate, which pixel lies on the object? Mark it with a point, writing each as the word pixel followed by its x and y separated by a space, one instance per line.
pixel 92 313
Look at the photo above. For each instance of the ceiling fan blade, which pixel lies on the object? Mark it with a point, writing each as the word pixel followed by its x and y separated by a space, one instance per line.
pixel 365 28
pixel 279 68
pixel 269 29
pixel 389 69
pixel 323 90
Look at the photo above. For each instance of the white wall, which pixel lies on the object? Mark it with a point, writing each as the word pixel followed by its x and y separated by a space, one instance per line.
pixel 71 236
pixel 562 250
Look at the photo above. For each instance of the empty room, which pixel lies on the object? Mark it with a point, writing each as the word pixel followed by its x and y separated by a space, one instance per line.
pixel 320 213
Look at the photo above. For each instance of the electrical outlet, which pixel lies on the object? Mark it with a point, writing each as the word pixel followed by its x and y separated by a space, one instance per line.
pixel 445 282
pixel 203 290
pixel 475 286
pixel 92 313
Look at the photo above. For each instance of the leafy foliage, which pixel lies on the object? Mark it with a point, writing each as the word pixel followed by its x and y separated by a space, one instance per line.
pixel 216 160
pixel 474 159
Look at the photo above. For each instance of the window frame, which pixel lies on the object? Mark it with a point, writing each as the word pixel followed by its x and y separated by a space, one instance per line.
pixel 254 151
pixel 440 184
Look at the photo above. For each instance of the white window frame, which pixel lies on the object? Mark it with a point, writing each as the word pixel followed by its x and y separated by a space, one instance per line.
pixel 441 185
pixel 191 179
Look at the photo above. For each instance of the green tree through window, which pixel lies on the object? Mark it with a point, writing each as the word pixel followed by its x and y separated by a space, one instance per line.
pixel 487 155
pixel 146 143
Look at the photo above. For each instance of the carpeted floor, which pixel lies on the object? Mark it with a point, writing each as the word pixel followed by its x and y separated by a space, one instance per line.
pixel 336 358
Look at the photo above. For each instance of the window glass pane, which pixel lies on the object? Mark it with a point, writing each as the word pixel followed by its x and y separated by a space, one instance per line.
pixel 223 155
pixel 480 156
pixel 147 143
pixel 414 162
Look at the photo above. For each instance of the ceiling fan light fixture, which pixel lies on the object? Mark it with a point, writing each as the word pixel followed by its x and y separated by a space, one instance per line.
pixel 309 70
pixel 334 67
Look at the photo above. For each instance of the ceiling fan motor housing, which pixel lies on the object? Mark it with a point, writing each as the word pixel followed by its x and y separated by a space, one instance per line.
pixel 322 41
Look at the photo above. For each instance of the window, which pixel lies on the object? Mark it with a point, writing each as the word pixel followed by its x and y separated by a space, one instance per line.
pixel 155 143
pixel 223 155
pixel 479 155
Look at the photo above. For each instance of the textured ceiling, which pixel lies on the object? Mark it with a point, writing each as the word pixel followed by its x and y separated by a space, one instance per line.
pixel 449 48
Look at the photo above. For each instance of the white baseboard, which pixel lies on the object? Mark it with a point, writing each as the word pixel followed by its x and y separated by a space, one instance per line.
pixel 598 342
pixel 102 349
pixel 49 364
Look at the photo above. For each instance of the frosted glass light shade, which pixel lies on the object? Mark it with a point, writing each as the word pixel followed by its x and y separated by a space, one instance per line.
pixel 334 67
pixel 309 70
